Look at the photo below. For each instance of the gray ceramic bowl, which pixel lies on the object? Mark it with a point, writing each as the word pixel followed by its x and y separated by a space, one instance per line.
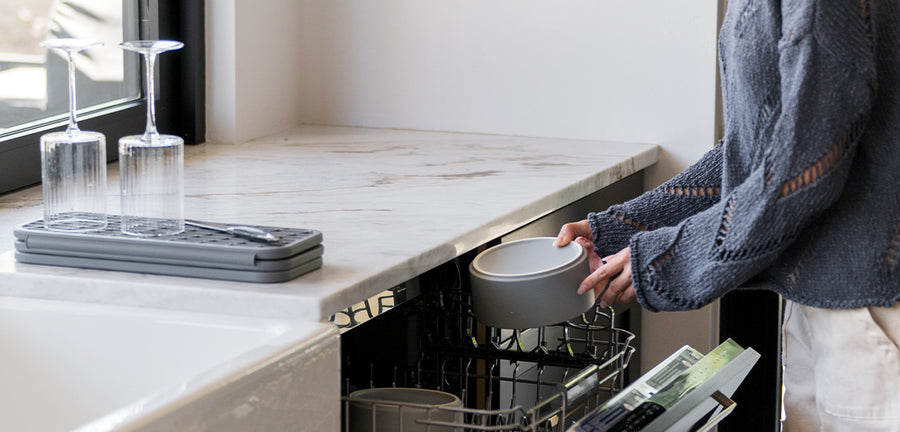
pixel 529 283
pixel 379 409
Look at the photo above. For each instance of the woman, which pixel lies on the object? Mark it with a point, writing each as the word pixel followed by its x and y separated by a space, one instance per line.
pixel 801 197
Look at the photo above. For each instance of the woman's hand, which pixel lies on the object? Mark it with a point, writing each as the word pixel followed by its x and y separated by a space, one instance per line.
pixel 571 231
pixel 614 270
pixel 579 232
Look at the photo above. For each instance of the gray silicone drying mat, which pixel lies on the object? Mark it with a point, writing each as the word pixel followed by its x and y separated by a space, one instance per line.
pixel 170 270
pixel 283 264
pixel 198 247
pixel 198 252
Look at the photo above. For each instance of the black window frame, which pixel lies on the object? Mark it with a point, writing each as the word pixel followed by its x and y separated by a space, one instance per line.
pixel 180 111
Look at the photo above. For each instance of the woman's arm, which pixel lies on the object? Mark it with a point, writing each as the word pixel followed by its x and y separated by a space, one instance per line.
pixel 827 85
pixel 693 190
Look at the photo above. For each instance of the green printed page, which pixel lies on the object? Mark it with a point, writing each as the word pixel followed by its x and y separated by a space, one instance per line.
pixel 697 374
pixel 657 404
pixel 605 417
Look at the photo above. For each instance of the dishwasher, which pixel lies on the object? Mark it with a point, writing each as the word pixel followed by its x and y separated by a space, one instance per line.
pixel 422 334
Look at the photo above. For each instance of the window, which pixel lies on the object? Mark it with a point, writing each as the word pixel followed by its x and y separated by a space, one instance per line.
pixel 33 82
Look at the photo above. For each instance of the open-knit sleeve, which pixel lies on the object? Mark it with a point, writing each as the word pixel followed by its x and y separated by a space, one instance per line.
pixel 827 83
pixel 693 190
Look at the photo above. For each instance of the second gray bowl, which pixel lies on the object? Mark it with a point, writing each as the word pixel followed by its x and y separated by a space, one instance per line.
pixel 529 283
pixel 398 408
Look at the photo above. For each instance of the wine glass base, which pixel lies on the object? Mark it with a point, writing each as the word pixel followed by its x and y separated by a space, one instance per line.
pixel 76 222
pixel 151 227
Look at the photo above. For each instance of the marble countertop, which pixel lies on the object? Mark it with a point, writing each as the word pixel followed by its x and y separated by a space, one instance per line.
pixel 391 205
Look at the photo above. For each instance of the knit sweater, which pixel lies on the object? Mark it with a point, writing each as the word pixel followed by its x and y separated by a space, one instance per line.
pixel 802 195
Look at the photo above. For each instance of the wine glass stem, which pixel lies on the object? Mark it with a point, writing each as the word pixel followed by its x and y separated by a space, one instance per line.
pixel 72 129
pixel 150 132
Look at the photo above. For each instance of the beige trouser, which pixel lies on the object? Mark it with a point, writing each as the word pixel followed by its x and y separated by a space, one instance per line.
pixel 841 369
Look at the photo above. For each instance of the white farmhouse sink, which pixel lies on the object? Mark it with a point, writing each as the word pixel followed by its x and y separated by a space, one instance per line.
pixel 89 367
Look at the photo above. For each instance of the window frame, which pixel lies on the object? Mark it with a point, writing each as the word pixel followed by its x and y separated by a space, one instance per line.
pixel 180 111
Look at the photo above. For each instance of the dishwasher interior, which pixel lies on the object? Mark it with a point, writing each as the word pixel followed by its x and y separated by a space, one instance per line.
pixel 422 334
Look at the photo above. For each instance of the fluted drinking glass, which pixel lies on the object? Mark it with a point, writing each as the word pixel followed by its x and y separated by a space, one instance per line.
pixel 151 166
pixel 73 163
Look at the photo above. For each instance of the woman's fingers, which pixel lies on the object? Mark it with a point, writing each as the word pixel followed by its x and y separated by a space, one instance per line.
pixel 571 231
pixel 599 278
pixel 585 243
pixel 595 281
pixel 628 295
pixel 594 261
pixel 617 274
pixel 621 283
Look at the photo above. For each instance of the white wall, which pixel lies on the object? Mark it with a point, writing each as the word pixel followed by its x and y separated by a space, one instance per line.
pixel 633 71
pixel 253 67
pixel 594 69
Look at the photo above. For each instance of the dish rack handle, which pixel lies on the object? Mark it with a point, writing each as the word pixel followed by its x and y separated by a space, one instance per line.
pixel 726 406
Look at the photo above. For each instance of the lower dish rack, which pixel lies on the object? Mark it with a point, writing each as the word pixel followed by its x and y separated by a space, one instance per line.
pixel 539 379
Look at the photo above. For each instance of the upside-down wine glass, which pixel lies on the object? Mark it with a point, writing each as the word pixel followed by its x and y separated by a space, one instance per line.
pixel 151 166
pixel 73 163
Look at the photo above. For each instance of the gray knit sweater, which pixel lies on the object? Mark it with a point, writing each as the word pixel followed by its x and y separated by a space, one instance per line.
pixel 802 195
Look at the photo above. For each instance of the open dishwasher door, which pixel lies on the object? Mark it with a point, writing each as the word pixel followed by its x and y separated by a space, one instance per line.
pixel 686 392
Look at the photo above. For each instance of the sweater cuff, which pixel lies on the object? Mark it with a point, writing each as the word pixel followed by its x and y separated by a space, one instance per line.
pixel 652 254
pixel 648 296
pixel 610 234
